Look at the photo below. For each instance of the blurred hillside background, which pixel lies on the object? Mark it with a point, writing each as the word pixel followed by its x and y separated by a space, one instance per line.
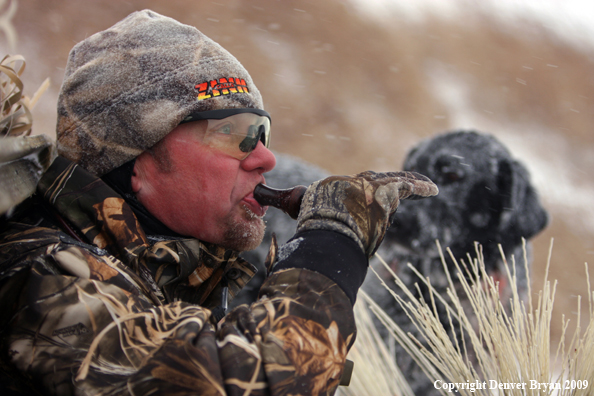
pixel 353 85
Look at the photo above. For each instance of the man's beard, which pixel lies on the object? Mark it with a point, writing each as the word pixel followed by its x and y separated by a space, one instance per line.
pixel 244 234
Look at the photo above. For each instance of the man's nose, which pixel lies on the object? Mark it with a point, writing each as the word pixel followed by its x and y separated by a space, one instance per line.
pixel 261 158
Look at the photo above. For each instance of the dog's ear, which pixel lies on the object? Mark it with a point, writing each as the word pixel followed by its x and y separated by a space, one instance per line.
pixel 522 213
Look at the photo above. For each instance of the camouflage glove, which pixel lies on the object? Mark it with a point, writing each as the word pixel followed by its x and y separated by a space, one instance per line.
pixel 360 206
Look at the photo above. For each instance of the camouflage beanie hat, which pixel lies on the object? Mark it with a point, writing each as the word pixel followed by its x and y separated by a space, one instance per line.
pixel 127 87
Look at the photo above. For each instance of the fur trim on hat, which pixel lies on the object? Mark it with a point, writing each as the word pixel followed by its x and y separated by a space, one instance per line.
pixel 127 87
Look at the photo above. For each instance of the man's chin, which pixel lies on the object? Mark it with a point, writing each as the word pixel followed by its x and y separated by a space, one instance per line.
pixel 245 233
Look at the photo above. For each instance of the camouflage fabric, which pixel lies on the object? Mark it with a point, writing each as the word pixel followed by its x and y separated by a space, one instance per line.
pixel 360 205
pixel 94 306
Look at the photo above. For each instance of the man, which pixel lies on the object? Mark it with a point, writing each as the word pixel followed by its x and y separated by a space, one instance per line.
pixel 115 275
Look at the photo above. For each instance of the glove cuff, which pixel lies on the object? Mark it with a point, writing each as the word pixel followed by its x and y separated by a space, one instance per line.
pixel 331 254
pixel 328 224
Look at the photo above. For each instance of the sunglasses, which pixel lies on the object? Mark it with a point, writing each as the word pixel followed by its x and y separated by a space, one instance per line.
pixel 235 132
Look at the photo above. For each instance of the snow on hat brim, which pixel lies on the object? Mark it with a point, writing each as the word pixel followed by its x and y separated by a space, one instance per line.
pixel 127 87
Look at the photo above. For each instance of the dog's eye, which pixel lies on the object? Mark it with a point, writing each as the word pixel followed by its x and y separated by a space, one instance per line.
pixel 453 176
pixel 450 174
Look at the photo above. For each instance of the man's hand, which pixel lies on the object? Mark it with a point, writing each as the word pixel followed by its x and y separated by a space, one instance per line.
pixel 360 206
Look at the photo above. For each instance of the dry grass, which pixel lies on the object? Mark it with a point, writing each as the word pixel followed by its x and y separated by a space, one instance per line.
pixel 16 118
pixel 23 158
pixel 512 345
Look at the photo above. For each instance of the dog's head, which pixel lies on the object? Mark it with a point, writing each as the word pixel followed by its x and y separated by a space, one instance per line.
pixel 485 196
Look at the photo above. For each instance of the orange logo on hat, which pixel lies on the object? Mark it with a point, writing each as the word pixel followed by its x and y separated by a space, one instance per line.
pixel 222 86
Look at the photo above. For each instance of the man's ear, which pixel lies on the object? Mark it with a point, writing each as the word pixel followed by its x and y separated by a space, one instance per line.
pixel 136 178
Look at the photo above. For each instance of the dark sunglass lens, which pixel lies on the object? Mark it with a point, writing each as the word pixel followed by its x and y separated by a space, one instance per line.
pixel 248 144
pixel 251 141
pixel 262 135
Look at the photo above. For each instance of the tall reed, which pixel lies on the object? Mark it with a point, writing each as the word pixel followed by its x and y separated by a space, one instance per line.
pixel 511 341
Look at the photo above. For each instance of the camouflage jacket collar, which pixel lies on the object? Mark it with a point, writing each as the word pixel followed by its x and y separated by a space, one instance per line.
pixel 174 269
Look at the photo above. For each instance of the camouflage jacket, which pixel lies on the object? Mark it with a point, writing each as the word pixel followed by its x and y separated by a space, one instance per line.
pixel 92 306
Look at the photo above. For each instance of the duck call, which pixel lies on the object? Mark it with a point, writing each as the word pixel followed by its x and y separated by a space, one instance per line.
pixel 287 200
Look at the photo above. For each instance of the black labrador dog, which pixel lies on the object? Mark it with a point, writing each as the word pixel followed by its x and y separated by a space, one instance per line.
pixel 485 197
